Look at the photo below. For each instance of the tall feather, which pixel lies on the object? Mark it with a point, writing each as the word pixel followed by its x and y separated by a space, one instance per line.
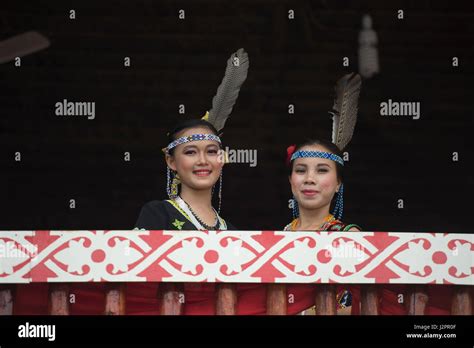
pixel 228 90
pixel 345 109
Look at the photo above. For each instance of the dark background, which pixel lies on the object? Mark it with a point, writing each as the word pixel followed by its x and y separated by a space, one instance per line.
pixel 182 62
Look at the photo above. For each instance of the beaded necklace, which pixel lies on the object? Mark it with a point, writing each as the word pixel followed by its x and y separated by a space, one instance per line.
pixel 206 226
pixel 327 220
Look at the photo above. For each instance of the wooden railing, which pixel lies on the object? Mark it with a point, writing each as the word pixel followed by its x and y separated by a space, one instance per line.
pixel 369 259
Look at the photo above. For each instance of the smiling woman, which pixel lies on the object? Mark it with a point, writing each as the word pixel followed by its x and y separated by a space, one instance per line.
pixel 194 165
pixel 316 179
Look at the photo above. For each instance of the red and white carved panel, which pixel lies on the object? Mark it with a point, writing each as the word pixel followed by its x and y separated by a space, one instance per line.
pixel 236 256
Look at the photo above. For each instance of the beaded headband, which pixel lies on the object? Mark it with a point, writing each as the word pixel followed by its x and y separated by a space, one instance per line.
pixel 317 154
pixel 190 138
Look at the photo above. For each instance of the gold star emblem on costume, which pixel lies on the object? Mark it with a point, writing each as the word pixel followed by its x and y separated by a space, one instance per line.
pixel 178 224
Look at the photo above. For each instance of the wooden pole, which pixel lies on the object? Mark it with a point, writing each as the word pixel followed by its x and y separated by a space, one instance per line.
pixel 461 300
pixel 172 298
pixel 6 299
pixel 326 299
pixel 226 299
pixel 115 299
pixel 369 300
pixel 417 300
pixel 58 299
pixel 276 299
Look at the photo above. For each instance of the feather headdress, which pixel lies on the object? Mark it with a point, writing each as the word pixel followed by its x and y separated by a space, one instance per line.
pixel 228 91
pixel 345 109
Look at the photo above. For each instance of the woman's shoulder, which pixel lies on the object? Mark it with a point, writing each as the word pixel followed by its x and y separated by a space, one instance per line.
pixel 157 207
pixel 156 204
pixel 154 214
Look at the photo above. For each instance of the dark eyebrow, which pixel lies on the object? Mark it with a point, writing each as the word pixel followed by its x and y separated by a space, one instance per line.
pixel 319 164
pixel 188 147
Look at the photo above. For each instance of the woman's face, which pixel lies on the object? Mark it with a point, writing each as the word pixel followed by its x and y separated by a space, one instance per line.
pixel 197 162
pixel 314 180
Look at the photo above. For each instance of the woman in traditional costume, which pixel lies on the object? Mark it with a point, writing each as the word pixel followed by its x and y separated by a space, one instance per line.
pixel 316 180
pixel 315 174
pixel 194 159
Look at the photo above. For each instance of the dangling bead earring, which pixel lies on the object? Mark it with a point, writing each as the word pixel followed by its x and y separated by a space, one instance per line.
pixel 339 206
pixel 220 194
pixel 168 181
pixel 172 182
pixel 296 209
pixel 293 205
pixel 174 185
